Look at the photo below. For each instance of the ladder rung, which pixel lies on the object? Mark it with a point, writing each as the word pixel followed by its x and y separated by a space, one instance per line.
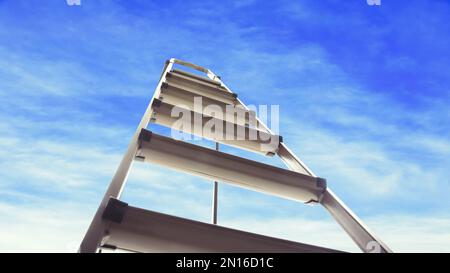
pixel 179 96
pixel 225 167
pixel 250 138
pixel 194 80
pixel 213 93
pixel 139 230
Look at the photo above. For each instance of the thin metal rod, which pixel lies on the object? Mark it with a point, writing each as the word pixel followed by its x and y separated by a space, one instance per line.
pixel 215 192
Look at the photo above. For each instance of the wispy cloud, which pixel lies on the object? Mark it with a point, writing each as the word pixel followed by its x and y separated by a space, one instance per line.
pixel 42 226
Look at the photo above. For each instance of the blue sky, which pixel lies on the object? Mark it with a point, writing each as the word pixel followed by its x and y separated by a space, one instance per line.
pixel 363 91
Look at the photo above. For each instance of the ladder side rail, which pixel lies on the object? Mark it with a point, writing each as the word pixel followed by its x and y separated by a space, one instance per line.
pixel 95 231
pixel 365 239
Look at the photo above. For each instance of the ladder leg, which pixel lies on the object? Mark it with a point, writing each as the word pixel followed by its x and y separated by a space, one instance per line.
pixel 353 226
pixel 96 230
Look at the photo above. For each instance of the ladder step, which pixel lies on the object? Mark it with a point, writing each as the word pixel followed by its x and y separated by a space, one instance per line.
pixel 222 96
pixel 219 166
pixel 228 133
pixel 201 88
pixel 179 96
pixel 139 230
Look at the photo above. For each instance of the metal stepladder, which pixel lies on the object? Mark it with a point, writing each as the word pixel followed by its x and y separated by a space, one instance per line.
pixel 116 225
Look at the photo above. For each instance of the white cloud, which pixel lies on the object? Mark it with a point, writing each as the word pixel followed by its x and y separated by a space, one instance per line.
pixel 367 166
pixel 46 226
